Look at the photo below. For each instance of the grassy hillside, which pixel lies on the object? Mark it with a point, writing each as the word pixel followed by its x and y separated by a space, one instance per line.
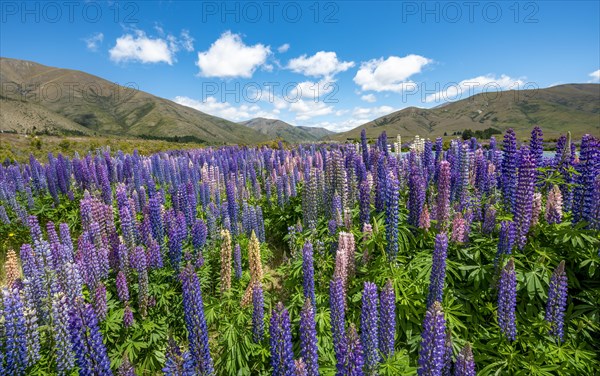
pixel 64 101
pixel 574 107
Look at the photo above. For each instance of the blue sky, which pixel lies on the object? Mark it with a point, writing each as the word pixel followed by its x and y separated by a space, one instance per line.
pixel 332 64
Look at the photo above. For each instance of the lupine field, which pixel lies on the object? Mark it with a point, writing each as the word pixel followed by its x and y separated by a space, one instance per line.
pixel 456 258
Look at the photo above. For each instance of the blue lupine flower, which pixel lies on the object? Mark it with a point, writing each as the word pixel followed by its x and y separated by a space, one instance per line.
pixel 308 339
pixel 369 332
pixel 438 270
pixel 308 273
pixel 507 301
pixel 557 301
pixel 431 355
pixel 282 355
pixel 387 320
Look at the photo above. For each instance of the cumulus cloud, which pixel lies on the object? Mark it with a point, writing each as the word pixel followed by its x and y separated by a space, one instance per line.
pixel 283 48
pixel 321 64
pixel 360 116
pixel 225 110
pixel 229 57
pixel 139 47
pixel 391 74
pixel 465 88
pixel 369 98
pixel 595 76
pixel 93 42
pixel 307 109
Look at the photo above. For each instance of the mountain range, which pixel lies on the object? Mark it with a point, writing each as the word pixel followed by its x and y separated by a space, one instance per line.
pixel 47 100
pixel 278 129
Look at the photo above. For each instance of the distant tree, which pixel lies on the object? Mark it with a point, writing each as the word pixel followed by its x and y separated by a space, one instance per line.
pixel 467 134
pixel 445 133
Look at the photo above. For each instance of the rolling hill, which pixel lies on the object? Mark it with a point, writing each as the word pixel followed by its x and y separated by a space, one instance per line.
pixel 35 97
pixel 558 109
pixel 278 129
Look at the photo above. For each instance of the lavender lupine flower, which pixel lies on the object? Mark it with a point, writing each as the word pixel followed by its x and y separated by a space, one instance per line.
pixel 100 301
pixel 282 355
pixel 177 234
pixel 127 316
pixel 524 196
pixel 369 331
pixel 337 301
pixel 536 209
pixel 258 312
pixel 308 272
pixel 195 322
pixel 300 367
pixel 438 270
pixel 4 216
pixel 465 364
pixel 140 265
pixel 557 301
pixel 15 332
pixel 507 301
pixel 554 205
pixel 32 335
pixel 355 354
pixel 65 360
pixel 156 221
pixel 387 320
pixel 509 169
pixel 460 232
pixel 391 216
pixel 237 261
pixel 122 289
pixel 431 355
pixel 443 197
pixel 308 339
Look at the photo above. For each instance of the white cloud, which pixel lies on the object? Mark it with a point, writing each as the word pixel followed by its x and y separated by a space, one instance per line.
pixel 360 116
pixel 307 109
pixel 138 47
pixel 94 41
pixel 225 110
pixel 283 48
pixel 228 56
pixel 595 76
pixel 369 98
pixel 465 88
pixel 321 64
pixel 391 74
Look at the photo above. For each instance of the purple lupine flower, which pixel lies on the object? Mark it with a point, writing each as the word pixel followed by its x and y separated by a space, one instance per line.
pixel 237 261
pixel 122 289
pixel 391 216
pixel 438 270
pixel 507 301
pixel 154 257
pixel 15 332
pixel 589 169
pixel 536 146
pixel 387 320
pixel 489 221
pixel 308 273
pixel 416 190
pixel 178 364
pixel 443 197
pixel 465 364
pixel 431 355
pixel 355 354
pixel 448 352
pixel 258 312
pixel 139 263
pixel 524 196
pixel 65 360
pixel 337 301
pixel 199 232
pixel 282 355
pixel 195 322
pixel 126 369
pixel 509 168
pixel 308 339
pixel 300 368
pixel 156 221
pixel 557 301
pixel 127 316
pixel 365 201
pixel 506 240
pixel 177 234
pixel 369 331
pixel 86 340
